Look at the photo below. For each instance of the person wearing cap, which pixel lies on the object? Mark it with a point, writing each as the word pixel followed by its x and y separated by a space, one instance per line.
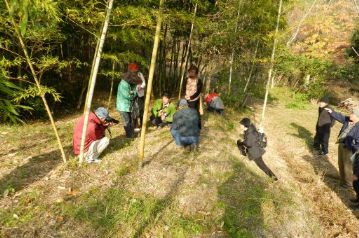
pixel 324 124
pixel 348 143
pixel 253 150
pixel 126 93
pixel 185 127
pixel 96 141
pixel 192 89
pixel 162 111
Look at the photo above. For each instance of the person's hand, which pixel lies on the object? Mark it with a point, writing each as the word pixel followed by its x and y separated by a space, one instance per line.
pixel 329 110
pixel 187 97
pixel 163 117
pixel 355 178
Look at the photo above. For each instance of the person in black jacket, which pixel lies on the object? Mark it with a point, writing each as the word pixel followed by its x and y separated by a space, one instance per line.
pixel 348 143
pixel 252 146
pixel 324 124
pixel 185 127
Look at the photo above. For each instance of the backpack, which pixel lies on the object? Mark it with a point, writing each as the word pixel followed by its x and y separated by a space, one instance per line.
pixel 262 139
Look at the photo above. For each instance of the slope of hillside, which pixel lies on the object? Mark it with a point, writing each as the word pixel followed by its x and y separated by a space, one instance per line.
pixel 214 192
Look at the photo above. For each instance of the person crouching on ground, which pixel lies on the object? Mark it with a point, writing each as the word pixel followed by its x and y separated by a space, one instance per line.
pixel 96 141
pixel 348 143
pixel 185 127
pixel 214 103
pixel 162 111
pixel 324 124
pixel 252 147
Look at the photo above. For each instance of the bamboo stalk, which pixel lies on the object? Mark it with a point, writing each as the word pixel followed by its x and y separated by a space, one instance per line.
pixel 93 76
pixel 37 82
pixel 111 88
pixel 271 63
pixel 187 51
pixel 141 152
pixel 232 56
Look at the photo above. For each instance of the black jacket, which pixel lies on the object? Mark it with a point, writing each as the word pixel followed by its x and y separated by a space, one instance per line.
pixel 251 142
pixel 186 122
pixel 325 121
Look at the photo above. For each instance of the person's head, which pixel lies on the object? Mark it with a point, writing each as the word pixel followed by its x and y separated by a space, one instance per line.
pixel 324 101
pixel 193 71
pixel 103 114
pixel 245 123
pixel 354 117
pixel 182 104
pixel 165 98
pixel 133 68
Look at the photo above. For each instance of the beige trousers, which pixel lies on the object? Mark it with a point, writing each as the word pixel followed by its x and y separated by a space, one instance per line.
pixel 96 148
pixel 345 165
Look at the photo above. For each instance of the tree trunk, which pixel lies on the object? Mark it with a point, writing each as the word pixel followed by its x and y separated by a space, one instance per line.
pixel 28 60
pixel 92 81
pixel 232 57
pixel 111 88
pixel 149 84
pixel 187 51
pixel 252 68
pixel 300 24
pixel 271 63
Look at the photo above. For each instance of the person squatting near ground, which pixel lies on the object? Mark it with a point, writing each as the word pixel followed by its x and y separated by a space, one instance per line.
pixel 140 100
pixel 96 141
pixel 126 94
pixel 348 143
pixel 251 147
pixel 185 127
pixel 324 124
pixel 162 111
pixel 214 103
pixel 193 89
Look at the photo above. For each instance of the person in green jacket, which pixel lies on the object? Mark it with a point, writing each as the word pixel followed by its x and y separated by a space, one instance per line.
pixel 126 94
pixel 162 111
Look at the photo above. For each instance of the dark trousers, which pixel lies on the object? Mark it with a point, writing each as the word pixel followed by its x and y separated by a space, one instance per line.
pixel 356 187
pixel 195 105
pixel 219 111
pixel 321 140
pixel 260 163
pixel 127 122
pixel 157 121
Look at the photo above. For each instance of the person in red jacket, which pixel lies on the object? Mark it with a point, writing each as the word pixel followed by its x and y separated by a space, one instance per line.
pixel 96 141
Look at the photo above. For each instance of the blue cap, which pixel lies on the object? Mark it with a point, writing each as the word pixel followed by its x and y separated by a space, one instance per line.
pixel 183 103
pixel 102 112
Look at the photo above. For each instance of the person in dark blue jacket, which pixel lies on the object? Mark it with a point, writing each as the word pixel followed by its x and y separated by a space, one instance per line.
pixel 185 127
pixel 348 141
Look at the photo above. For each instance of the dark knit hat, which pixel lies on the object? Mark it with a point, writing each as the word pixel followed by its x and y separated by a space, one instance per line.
pixel 324 99
pixel 245 122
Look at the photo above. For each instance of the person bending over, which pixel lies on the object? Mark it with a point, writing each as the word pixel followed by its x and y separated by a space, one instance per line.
pixel 185 128
pixel 251 147
pixel 96 141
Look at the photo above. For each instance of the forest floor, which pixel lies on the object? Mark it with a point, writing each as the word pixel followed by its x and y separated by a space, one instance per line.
pixel 214 192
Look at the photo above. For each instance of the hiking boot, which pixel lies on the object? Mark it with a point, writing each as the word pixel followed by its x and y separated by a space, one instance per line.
pixel 354 200
pixel 323 153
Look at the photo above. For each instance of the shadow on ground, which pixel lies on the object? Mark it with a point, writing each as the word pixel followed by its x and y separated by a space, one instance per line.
pixel 322 166
pixel 35 169
pixel 242 195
